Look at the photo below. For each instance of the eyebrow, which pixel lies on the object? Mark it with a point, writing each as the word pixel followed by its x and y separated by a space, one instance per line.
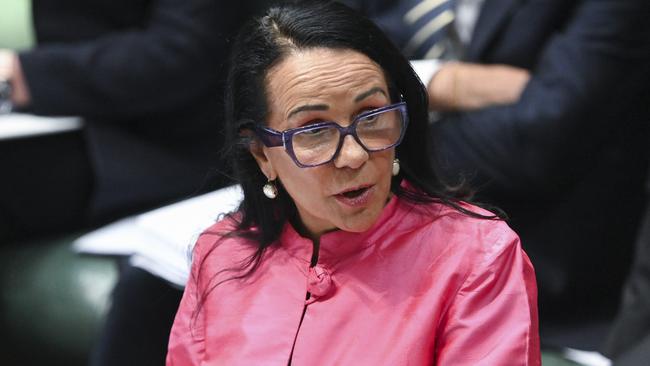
pixel 308 107
pixel 370 92
pixel 324 107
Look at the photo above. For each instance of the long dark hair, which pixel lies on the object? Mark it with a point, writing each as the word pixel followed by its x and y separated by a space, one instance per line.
pixel 267 41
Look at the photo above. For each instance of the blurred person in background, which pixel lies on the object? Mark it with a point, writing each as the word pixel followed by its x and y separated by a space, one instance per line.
pixel 540 104
pixel 145 76
pixel 142 76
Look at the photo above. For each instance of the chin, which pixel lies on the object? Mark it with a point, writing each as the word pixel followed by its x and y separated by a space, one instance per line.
pixel 359 226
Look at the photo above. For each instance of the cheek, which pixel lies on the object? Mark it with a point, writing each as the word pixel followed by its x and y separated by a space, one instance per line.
pixel 300 183
pixel 383 162
pixel 382 168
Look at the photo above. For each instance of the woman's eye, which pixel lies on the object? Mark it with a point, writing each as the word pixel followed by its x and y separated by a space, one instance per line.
pixel 311 122
pixel 316 131
pixel 369 120
pixel 369 110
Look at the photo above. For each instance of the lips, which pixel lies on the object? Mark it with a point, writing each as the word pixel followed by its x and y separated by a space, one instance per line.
pixel 355 197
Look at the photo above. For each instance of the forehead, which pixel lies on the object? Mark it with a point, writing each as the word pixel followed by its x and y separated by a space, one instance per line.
pixel 320 75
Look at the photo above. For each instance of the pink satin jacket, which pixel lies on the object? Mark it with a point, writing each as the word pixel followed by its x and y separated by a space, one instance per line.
pixel 426 285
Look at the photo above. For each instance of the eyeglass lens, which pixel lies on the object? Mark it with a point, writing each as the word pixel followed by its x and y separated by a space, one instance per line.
pixel 376 132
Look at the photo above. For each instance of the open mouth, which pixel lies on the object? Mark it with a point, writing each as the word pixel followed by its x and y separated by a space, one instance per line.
pixel 356 197
pixel 355 193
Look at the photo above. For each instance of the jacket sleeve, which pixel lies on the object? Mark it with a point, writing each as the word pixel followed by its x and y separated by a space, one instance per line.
pixel 172 59
pixel 595 65
pixel 492 320
pixel 187 337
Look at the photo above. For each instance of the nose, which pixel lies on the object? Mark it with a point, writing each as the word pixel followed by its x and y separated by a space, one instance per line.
pixel 352 155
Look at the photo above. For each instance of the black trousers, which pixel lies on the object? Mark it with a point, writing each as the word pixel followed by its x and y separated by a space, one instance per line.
pixel 629 341
pixel 45 186
pixel 137 327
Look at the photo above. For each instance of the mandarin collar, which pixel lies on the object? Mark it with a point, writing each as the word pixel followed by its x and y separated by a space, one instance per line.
pixel 337 245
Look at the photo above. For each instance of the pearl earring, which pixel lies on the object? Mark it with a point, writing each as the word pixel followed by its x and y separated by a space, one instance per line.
pixel 395 167
pixel 270 190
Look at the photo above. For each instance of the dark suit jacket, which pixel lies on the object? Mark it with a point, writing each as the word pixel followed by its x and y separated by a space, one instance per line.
pixel 146 77
pixel 565 161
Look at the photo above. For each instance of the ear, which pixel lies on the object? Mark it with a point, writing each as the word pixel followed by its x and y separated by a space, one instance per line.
pixel 259 152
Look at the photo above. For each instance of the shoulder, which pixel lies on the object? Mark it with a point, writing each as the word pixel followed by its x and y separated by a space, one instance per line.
pixel 219 246
pixel 472 237
pixel 479 251
pixel 490 272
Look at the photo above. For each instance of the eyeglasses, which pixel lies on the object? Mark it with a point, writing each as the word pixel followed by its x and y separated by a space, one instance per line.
pixel 320 143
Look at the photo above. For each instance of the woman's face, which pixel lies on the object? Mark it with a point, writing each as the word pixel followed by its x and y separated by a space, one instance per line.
pixel 318 85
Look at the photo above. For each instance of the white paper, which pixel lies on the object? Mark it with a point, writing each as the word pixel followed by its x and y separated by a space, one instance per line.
pixel 586 358
pixel 160 241
pixel 17 125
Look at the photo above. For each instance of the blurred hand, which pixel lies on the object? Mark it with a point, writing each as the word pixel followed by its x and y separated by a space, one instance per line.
pixel 5 64
pixel 466 86
pixel 10 70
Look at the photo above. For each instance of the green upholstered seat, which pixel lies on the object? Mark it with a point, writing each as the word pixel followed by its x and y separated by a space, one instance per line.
pixel 52 302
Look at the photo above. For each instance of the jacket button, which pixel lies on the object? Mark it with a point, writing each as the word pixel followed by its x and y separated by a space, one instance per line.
pixel 319 282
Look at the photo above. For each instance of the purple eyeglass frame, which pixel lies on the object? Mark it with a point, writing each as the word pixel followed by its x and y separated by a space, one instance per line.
pixel 273 138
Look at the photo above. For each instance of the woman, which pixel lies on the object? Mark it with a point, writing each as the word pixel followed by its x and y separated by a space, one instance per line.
pixel 341 254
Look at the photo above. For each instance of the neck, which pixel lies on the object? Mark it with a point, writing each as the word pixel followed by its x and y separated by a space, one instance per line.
pixel 306 233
